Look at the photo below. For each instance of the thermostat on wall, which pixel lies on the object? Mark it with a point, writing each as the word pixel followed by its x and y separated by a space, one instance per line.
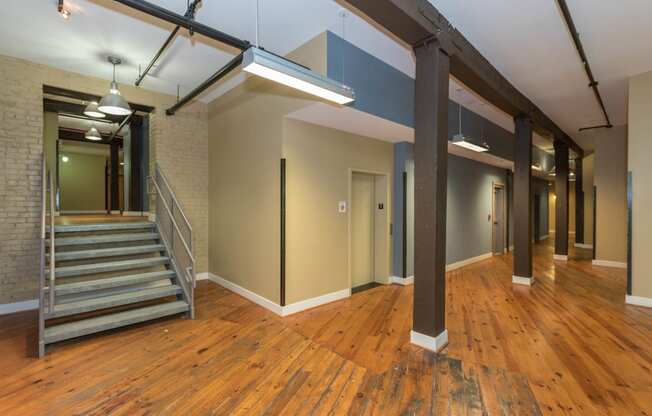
pixel 341 207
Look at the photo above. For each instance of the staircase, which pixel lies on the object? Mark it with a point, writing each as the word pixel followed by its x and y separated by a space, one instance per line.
pixel 97 277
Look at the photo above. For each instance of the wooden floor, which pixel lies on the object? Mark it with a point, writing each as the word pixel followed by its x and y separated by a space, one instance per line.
pixel 95 219
pixel 568 345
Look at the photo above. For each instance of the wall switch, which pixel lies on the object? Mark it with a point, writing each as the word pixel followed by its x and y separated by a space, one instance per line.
pixel 341 207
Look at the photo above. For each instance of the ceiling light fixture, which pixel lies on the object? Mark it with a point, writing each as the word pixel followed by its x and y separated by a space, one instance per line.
pixel 91 110
pixel 113 103
pixel 63 11
pixel 552 172
pixel 275 68
pixel 93 134
pixel 462 141
pixel 65 159
pixel 537 167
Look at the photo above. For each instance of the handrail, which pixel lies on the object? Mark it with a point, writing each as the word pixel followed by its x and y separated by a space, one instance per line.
pixel 41 280
pixel 174 198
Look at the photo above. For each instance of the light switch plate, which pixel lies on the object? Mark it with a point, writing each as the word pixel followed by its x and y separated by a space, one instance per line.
pixel 341 207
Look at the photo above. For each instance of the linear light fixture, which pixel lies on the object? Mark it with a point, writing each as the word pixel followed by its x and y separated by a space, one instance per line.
pixel 275 68
pixel 462 141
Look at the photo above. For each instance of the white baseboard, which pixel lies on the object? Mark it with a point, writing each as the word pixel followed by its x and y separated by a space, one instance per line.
pixel 404 281
pixel 272 306
pixel 83 212
pixel 638 301
pixel 466 262
pixel 26 305
pixel 560 257
pixel 609 263
pixel 525 281
pixel 544 237
pixel 435 344
pixel 132 213
pixel 115 212
pixel 582 245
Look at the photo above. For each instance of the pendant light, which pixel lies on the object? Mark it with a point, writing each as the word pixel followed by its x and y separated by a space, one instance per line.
pixel 91 110
pixel 93 134
pixel 113 103
pixel 460 140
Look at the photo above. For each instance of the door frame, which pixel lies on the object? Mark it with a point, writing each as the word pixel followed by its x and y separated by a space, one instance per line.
pixel 498 185
pixel 388 222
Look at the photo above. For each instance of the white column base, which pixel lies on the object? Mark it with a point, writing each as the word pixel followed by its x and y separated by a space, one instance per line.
pixel 435 344
pixel 638 301
pixel 560 257
pixel 525 281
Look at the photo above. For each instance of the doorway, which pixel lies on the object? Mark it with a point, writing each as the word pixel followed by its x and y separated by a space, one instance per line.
pixel 499 228
pixel 369 230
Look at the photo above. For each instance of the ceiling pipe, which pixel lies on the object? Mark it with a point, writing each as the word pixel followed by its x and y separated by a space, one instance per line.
pixel 580 49
pixel 121 126
pixel 190 13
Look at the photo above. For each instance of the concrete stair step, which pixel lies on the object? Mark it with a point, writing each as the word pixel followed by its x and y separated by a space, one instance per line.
pixel 110 226
pixel 107 252
pixel 83 327
pixel 112 301
pixel 112 282
pixel 111 266
pixel 103 239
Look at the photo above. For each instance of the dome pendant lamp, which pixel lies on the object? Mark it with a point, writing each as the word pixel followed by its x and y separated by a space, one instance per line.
pixel 113 103
pixel 93 134
pixel 91 110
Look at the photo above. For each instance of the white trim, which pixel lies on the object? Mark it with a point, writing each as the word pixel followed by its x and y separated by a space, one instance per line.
pixel 466 262
pixel 26 305
pixel 560 257
pixel 609 263
pixel 132 213
pixel 544 237
pixel 272 306
pixel 245 293
pixel 115 212
pixel 314 302
pixel 435 344
pixel 525 281
pixel 82 212
pixel 638 301
pixel 582 245
pixel 403 281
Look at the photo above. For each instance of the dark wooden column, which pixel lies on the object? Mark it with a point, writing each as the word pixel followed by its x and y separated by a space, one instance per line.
pixel 430 166
pixel 561 203
pixel 523 201
pixel 579 202
pixel 115 175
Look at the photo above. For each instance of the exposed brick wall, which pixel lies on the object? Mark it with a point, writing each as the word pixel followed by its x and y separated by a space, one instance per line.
pixel 179 143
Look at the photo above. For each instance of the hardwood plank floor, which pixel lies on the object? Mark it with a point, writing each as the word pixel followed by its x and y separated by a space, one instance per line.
pixel 567 346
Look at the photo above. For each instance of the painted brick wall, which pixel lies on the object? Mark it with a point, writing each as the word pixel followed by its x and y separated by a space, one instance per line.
pixel 179 143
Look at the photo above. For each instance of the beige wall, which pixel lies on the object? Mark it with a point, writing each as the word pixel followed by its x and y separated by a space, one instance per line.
pixel 82 182
pixel 639 152
pixel 610 178
pixel 50 137
pixel 587 186
pixel 246 132
pixel 319 164
pixel 179 143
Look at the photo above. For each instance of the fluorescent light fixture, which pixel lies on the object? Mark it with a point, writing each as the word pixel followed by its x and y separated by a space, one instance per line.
pixel 275 68
pixel 462 141
pixel 65 159
pixel 93 134
pixel 92 111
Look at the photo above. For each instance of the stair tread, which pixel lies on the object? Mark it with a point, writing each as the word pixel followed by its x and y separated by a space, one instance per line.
pixel 102 323
pixel 88 305
pixel 109 266
pixel 108 252
pixel 112 282
pixel 100 239
pixel 107 226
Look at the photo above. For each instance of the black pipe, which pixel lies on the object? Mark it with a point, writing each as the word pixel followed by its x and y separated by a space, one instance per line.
pixel 190 13
pixel 580 49
pixel 283 225
pixel 121 126
pixel 601 126
pixel 185 22
pixel 231 65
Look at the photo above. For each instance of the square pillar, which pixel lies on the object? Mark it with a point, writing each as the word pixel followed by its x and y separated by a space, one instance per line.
pixel 430 164
pixel 522 201
pixel 579 202
pixel 561 203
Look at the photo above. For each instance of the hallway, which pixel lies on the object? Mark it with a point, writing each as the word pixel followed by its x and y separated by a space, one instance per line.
pixel 568 345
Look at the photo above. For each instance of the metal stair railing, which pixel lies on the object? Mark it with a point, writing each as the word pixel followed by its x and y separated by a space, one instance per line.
pixel 47 187
pixel 176 233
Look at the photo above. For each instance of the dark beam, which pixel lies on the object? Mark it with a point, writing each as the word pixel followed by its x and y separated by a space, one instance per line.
pixel 185 22
pixel 579 202
pixel 430 159
pixel 115 176
pixel 561 201
pixel 413 21
pixel 62 92
pixel 80 136
pixel 522 182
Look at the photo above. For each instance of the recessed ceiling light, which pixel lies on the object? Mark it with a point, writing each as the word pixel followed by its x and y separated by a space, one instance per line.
pixel 63 11
pixel 65 159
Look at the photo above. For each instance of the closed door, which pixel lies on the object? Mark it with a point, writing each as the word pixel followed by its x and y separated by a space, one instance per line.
pixel 498 223
pixel 362 229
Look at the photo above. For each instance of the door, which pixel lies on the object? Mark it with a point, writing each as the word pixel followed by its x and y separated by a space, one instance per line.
pixel 362 229
pixel 499 221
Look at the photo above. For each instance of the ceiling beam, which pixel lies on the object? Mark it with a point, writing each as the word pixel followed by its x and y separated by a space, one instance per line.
pixel 82 96
pixel 417 21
